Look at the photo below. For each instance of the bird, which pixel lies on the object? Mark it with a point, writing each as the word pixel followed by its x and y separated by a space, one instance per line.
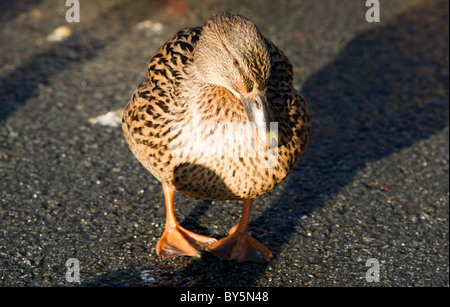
pixel 217 119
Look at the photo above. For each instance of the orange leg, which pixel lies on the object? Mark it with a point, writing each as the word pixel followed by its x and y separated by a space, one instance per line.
pixel 177 241
pixel 239 245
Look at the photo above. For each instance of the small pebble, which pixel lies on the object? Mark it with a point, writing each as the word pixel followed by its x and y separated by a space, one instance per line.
pixel 59 34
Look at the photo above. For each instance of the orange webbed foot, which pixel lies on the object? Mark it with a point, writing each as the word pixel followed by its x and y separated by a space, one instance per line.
pixel 240 246
pixel 177 241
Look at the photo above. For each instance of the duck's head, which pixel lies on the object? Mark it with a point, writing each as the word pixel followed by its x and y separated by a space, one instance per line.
pixel 232 53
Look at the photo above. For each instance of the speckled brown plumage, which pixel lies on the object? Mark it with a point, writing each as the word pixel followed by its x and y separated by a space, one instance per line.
pixel 177 123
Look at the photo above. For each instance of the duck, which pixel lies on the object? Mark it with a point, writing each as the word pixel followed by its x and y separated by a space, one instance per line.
pixel 217 119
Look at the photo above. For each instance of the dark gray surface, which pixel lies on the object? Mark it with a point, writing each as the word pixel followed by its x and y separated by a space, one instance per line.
pixel 372 184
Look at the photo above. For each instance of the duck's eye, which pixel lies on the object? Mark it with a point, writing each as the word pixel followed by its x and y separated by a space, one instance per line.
pixel 236 62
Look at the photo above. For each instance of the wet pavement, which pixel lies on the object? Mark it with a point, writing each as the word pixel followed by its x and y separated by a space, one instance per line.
pixel 372 184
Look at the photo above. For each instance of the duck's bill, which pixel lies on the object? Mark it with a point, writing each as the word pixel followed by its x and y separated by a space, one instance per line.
pixel 257 112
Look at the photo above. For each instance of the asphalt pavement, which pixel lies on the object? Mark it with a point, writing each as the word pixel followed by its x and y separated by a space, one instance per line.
pixel 373 183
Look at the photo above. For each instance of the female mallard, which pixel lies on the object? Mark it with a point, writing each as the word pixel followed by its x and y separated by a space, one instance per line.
pixel 218 119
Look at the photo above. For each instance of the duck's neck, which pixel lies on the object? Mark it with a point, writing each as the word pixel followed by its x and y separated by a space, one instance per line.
pixel 193 86
pixel 211 101
pixel 197 82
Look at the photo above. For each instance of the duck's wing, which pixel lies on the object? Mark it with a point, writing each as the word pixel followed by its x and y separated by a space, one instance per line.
pixel 153 106
pixel 281 72
pixel 165 72
pixel 289 106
